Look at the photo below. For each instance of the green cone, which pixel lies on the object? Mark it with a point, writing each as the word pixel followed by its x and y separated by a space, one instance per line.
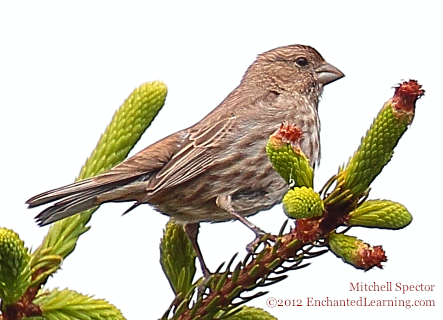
pixel 177 258
pixel 355 252
pixel 287 157
pixel 15 275
pixel 380 214
pixel 68 304
pixel 302 202
pixel 127 126
pixel 377 146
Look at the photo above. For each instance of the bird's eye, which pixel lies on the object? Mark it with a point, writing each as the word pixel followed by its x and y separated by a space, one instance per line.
pixel 302 61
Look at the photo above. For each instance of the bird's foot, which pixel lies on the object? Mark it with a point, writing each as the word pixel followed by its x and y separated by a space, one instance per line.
pixel 204 283
pixel 260 237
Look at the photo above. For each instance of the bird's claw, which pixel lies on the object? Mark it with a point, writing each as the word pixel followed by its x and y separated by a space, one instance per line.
pixel 260 237
pixel 203 285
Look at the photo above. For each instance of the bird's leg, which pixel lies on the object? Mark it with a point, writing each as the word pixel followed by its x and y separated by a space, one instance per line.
pixel 224 203
pixel 191 230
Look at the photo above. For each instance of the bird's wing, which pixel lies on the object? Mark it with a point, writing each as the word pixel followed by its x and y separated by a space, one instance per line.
pixel 146 162
pixel 193 158
pixel 169 162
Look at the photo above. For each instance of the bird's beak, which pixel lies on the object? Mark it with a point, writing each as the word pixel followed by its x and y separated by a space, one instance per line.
pixel 327 73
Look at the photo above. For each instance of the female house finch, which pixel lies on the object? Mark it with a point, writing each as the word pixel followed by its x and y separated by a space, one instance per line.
pixel 217 169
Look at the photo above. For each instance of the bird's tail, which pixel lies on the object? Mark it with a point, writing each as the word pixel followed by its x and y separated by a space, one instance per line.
pixel 85 194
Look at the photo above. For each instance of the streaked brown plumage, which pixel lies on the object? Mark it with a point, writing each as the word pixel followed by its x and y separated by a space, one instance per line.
pixel 218 166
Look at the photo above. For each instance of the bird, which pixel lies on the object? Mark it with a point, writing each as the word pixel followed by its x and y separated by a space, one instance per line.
pixel 216 170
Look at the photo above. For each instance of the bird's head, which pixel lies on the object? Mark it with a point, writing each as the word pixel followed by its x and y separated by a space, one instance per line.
pixel 294 69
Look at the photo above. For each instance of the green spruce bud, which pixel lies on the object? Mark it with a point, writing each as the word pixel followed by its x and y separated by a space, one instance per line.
pixel 287 158
pixel 251 313
pixel 177 258
pixel 68 304
pixel 377 146
pixel 15 275
pixel 380 214
pixel 355 252
pixel 127 125
pixel 302 202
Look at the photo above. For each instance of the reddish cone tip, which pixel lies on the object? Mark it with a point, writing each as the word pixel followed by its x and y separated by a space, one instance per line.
pixel 288 134
pixel 370 257
pixel 405 96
